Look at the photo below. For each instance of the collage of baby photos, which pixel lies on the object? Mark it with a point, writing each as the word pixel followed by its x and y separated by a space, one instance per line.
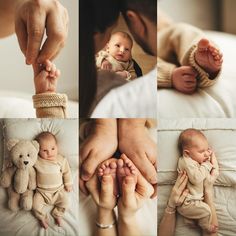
pixel 117 118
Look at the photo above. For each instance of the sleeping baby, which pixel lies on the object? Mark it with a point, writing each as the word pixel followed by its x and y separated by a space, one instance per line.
pixel 196 161
pixel 53 180
pixel 117 56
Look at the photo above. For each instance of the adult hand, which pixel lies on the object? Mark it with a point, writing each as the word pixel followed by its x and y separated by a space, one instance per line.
pixel 184 79
pixel 179 191
pixel 100 145
pixel 32 18
pixel 135 142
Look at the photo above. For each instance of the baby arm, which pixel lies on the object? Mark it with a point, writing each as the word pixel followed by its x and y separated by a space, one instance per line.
pixel 47 102
pixel 67 178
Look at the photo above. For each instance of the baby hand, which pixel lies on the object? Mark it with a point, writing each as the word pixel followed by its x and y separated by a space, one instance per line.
pixel 106 65
pixel 45 77
pixel 68 188
pixel 184 79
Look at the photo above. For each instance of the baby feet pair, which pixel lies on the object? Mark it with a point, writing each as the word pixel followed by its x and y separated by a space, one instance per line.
pixel 208 57
pixel 118 169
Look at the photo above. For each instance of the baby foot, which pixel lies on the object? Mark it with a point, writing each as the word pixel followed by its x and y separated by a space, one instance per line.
pixel 213 228
pixel 125 167
pixel 208 56
pixel 109 167
pixel 44 223
pixel 58 221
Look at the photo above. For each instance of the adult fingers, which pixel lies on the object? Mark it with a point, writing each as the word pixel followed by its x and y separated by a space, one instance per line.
pixel 189 70
pixel 143 187
pixel 90 164
pixel 182 197
pixel 93 188
pixel 35 28
pixel 21 33
pixel 107 187
pixel 183 184
pixel 128 191
pixel 56 35
pixel 145 167
pixel 82 187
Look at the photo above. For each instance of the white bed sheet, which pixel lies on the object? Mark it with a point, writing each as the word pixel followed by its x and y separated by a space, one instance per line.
pixel 217 101
pixel 221 135
pixel 23 223
pixel 15 104
pixel 136 99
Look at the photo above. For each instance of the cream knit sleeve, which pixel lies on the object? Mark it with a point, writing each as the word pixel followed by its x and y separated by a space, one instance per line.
pixel 50 105
pixel 164 73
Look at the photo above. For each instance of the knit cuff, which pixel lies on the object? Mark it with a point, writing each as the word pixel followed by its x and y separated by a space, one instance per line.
pixel 202 73
pixel 43 100
pixel 164 75
pixel 208 165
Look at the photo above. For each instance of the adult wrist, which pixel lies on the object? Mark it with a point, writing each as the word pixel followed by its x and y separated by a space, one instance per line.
pixel 105 216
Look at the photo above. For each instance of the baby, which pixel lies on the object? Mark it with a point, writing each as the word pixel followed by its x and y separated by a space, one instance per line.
pixel 196 161
pixel 53 180
pixel 117 56
pixel 186 58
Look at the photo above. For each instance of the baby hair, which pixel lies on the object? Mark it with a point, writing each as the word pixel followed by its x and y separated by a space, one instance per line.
pixel 45 135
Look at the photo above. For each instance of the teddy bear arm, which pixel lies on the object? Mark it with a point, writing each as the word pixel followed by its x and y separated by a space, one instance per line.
pixel 6 177
pixel 32 179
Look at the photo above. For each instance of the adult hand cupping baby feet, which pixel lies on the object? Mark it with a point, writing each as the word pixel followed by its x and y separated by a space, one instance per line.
pixel 134 189
pixel 45 77
pixel 135 142
pixel 100 145
pixel 208 57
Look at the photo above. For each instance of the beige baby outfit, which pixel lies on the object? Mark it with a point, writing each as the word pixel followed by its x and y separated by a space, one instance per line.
pixel 116 65
pixel 193 206
pixel 50 105
pixel 177 44
pixel 52 176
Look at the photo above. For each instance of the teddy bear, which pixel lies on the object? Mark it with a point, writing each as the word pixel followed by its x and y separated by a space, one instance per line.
pixel 19 177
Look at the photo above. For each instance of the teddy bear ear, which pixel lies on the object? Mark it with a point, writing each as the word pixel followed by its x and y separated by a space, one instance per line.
pixel 11 143
pixel 36 144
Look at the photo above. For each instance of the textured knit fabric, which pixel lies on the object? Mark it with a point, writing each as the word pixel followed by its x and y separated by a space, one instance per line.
pixel 52 176
pixel 50 105
pixel 177 44
pixel 193 207
pixel 117 65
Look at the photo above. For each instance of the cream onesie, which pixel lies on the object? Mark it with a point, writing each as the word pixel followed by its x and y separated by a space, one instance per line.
pixel 116 65
pixel 193 206
pixel 51 177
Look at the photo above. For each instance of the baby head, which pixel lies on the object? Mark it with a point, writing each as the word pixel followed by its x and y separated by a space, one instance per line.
pixel 192 143
pixel 47 145
pixel 120 46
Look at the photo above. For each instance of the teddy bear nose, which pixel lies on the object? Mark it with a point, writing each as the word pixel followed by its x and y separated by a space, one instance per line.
pixel 26 162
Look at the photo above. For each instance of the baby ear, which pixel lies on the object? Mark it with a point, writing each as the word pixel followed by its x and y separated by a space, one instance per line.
pixel 11 143
pixel 36 145
pixel 186 152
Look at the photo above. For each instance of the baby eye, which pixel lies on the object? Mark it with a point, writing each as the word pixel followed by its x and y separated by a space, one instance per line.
pixel 20 156
pixel 126 49
pixel 53 148
pixel 28 155
pixel 117 45
pixel 44 150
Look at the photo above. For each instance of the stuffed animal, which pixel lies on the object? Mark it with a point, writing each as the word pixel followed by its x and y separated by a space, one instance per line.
pixel 20 177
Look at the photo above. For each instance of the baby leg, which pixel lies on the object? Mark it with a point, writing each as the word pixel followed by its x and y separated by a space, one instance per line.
pixel 109 167
pixel 208 56
pixel 61 203
pixel 39 209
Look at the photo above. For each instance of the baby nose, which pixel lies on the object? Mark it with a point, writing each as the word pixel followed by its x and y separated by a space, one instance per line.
pixel 26 162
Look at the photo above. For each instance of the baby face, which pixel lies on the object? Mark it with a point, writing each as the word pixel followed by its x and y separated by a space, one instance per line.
pixel 199 150
pixel 120 48
pixel 48 148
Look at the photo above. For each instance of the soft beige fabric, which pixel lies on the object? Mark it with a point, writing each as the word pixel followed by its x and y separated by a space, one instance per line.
pixel 116 65
pixel 193 206
pixel 53 174
pixel 50 105
pixel 44 198
pixel 177 44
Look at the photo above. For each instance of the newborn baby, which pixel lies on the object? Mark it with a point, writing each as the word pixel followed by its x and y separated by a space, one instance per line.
pixel 117 56
pixel 196 161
